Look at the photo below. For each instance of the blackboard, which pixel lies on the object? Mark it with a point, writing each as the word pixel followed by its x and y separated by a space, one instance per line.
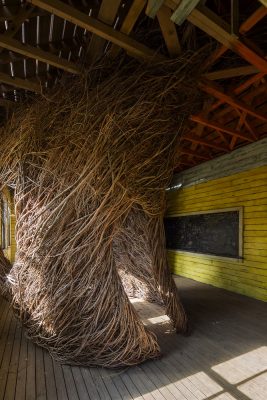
pixel 215 233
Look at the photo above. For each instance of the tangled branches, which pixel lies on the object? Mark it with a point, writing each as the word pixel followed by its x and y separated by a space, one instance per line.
pixel 90 164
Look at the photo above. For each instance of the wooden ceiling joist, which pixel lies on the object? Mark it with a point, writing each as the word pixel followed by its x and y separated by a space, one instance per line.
pixel 191 137
pixel 153 7
pixel 20 83
pixel 79 18
pixel 231 72
pixel 38 54
pixel 208 87
pixel 14 26
pixel 107 14
pixel 128 23
pixel 207 21
pixel 169 32
pixel 215 125
pixel 190 152
pixel 6 103
pixel 183 10
pixel 252 20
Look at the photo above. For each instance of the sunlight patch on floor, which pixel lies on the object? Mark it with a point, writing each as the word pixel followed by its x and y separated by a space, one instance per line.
pixel 255 388
pixel 244 366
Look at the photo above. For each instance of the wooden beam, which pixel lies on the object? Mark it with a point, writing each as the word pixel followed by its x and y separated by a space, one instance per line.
pixel 153 7
pixel 245 27
pixel 191 137
pixel 222 128
pixel 20 83
pixel 14 25
pixel 183 10
pixel 107 14
pixel 203 19
pixel 128 23
pixel 37 54
pixel 8 104
pixel 169 32
pixel 76 17
pixel 231 72
pixel 189 152
pixel 208 87
pixel 253 19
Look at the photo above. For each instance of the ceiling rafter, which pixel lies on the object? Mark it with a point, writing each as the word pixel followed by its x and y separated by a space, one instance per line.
pixel 231 72
pixel 128 23
pixel 107 14
pixel 79 18
pixel 38 54
pixel 32 86
pixel 209 87
pixel 168 30
pixel 191 137
pixel 206 20
pixel 222 128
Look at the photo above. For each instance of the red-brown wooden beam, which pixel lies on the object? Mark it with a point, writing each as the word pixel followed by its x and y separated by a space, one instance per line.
pixel 191 137
pixel 221 128
pixel 189 152
pixel 212 89
pixel 252 20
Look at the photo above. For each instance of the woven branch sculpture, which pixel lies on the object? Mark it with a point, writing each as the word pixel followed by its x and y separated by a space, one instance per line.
pixel 90 164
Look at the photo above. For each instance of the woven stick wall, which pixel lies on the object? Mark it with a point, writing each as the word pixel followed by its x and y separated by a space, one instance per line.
pixel 90 164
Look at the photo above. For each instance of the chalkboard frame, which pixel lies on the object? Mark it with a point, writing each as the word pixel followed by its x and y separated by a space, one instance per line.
pixel 240 210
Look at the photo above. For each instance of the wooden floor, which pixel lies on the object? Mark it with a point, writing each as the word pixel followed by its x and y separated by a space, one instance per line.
pixel 225 358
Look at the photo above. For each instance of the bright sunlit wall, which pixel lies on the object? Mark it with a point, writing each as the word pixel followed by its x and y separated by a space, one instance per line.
pixel 247 189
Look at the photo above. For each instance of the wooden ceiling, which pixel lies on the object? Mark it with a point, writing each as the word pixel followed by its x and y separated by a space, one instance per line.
pixel 40 39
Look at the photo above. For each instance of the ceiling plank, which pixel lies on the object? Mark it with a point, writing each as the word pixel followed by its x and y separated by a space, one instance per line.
pixel 79 18
pixel 191 137
pixel 169 32
pixel 231 72
pixel 37 54
pixel 208 87
pixel 20 83
pixel 128 23
pixel 107 14
pixel 222 128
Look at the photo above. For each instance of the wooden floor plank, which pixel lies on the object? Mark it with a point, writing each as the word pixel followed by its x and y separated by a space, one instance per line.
pixel 70 383
pixel 80 385
pixel 13 367
pixel 40 374
pixel 22 370
pixel 51 389
pixel 30 378
pixel 90 384
pixel 60 381
pixel 5 364
pixel 228 329
pixel 122 389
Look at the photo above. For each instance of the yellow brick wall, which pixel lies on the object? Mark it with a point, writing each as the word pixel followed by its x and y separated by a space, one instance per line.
pixel 247 189
pixel 10 252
